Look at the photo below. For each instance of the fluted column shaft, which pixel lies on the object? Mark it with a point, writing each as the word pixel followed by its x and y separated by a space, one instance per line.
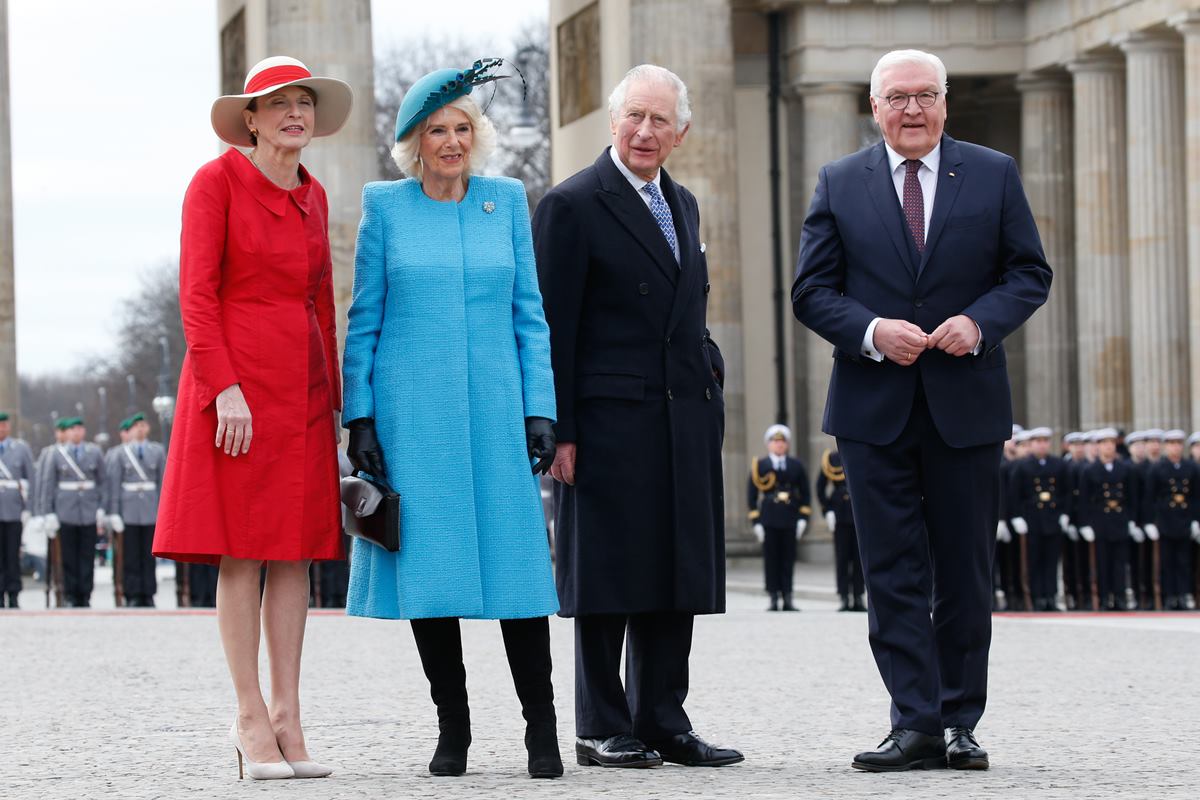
pixel 700 51
pixel 1046 171
pixel 1101 243
pixel 1157 231
pixel 1189 25
pixel 9 395
pixel 830 132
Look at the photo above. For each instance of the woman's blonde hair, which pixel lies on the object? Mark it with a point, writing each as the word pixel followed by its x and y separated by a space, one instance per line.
pixel 407 152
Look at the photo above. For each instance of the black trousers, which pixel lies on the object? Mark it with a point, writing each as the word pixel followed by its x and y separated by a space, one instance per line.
pixel 650 703
pixel 527 645
pixel 926 517
pixel 78 543
pixel 137 571
pixel 1141 570
pixel 1176 563
pixel 1112 561
pixel 202 585
pixel 334 579
pixel 779 559
pixel 1074 571
pixel 1045 549
pixel 848 564
pixel 10 557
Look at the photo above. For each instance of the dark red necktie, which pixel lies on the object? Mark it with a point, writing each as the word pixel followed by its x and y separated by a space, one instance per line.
pixel 914 203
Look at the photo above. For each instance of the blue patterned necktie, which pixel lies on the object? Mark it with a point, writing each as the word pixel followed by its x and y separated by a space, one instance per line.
pixel 662 215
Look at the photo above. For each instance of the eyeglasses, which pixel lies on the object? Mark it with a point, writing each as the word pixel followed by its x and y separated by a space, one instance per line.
pixel 899 102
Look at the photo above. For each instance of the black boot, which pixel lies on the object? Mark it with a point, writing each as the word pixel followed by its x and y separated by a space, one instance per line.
pixel 787 602
pixel 12 600
pixel 440 645
pixel 845 606
pixel 774 602
pixel 859 605
pixel 527 644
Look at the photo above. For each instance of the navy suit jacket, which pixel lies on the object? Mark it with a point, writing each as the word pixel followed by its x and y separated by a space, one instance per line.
pixel 982 258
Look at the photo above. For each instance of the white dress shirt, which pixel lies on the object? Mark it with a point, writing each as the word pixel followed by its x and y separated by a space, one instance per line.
pixel 779 463
pixel 927 176
pixel 640 183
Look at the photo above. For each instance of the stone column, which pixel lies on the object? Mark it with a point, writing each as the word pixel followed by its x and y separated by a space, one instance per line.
pixel 9 394
pixel 1189 25
pixel 1101 243
pixel 700 51
pixel 1157 230
pixel 1047 172
pixel 830 128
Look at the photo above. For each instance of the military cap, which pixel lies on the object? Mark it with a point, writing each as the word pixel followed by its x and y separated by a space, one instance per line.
pixel 1135 436
pixel 1195 437
pixel 3 416
pixel 1174 435
pixel 1075 437
pixel 1041 433
pixel 776 432
pixel 1100 434
pixel 1154 434
pixel 124 424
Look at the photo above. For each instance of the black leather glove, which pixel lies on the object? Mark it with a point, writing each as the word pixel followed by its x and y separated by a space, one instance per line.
pixel 539 437
pixel 363 448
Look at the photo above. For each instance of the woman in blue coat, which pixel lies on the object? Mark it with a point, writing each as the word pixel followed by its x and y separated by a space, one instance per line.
pixel 449 394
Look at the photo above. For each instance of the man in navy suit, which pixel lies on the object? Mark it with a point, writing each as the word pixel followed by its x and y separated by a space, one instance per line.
pixel 919 255
pixel 638 506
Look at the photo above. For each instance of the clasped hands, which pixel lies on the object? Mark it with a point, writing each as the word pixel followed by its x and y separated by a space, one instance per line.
pixel 903 342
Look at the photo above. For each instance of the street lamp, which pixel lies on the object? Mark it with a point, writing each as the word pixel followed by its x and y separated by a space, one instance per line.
pixel 163 402
pixel 102 437
pixel 523 132
pixel 132 407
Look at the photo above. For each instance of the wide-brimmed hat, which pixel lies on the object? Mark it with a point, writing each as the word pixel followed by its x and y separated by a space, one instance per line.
pixel 442 87
pixel 334 99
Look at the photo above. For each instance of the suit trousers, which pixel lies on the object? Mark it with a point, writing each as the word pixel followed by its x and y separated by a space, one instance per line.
pixel 1112 560
pixel 79 560
pixel 10 557
pixel 848 564
pixel 138 562
pixel 779 559
pixel 1045 549
pixel 650 704
pixel 926 516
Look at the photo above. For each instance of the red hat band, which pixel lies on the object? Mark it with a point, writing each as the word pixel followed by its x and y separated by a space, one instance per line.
pixel 274 76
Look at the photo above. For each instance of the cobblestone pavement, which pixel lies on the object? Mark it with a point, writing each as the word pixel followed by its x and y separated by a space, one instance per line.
pixel 135 704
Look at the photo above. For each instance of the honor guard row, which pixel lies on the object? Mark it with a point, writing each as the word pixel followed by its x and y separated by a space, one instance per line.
pixel 1122 525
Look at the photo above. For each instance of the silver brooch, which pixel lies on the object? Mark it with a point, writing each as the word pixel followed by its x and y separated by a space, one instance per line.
pixel 488 207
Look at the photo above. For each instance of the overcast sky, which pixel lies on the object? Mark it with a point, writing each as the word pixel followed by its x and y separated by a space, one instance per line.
pixel 110 105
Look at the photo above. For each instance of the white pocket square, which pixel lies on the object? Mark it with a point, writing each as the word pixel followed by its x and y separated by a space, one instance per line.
pixel 703 247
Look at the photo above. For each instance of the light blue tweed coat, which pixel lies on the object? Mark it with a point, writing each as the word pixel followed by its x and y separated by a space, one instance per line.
pixel 448 350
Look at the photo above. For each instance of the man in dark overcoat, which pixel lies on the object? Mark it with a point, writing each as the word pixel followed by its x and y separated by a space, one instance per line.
pixel 918 257
pixel 639 533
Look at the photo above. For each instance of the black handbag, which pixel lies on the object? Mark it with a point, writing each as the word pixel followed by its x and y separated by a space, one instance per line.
pixel 372 511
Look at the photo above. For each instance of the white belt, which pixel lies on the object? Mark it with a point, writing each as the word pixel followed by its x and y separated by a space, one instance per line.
pixel 10 484
pixel 139 486
pixel 77 486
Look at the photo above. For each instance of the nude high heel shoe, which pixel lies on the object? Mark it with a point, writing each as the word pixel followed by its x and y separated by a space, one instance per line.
pixel 310 769
pixel 264 771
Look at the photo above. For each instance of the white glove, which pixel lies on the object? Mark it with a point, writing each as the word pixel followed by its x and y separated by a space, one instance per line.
pixel 1088 534
pixel 1073 533
pixel 100 516
pixel 801 527
pixel 1064 522
pixel 116 524
pixel 831 519
pixel 35 527
pixel 25 516
pixel 1196 530
pixel 52 524
pixel 759 533
pixel 1002 532
pixel 1020 525
pixel 1151 532
pixel 1135 533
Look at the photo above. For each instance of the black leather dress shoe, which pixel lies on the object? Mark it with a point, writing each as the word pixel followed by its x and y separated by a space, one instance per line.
pixel 621 750
pixel 963 751
pixel 690 750
pixel 904 749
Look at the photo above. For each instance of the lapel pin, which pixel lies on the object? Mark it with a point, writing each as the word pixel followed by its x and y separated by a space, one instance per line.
pixel 951 174
pixel 488 207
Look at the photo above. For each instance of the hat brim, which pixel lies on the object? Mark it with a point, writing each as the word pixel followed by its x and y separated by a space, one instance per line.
pixel 334 100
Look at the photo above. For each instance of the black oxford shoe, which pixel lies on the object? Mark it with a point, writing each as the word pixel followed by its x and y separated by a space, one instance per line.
pixel 690 750
pixel 963 751
pixel 621 750
pixel 903 749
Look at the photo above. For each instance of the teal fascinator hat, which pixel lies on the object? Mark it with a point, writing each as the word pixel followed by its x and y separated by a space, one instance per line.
pixel 441 87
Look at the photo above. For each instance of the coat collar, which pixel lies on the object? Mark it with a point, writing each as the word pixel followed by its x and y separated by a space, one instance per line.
pixel 619 197
pixel 273 198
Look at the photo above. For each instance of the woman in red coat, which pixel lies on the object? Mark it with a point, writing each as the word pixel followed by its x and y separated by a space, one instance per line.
pixel 252 475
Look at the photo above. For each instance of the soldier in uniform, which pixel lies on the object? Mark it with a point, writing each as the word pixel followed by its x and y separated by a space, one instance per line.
pixel 833 493
pixel 1193 443
pixel 1076 579
pixel 1172 510
pixel 1006 580
pixel 1106 497
pixel 779 508
pixel 70 487
pixel 17 483
pixel 1142 572
pixel 135 476
pixel 333 576
pixel 1040 500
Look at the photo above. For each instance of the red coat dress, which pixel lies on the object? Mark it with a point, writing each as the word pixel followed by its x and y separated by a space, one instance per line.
pixel 256 296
